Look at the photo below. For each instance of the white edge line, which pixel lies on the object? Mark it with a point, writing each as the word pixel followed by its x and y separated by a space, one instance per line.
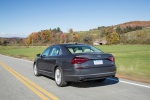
pixel 18 58
pixel 130 83
pixel 107 78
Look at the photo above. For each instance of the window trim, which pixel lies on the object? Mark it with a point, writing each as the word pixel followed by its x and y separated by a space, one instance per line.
pixel 73 46
pixel 48 52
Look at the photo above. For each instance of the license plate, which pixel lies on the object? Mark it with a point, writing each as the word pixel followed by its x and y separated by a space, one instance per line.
pixel 98 62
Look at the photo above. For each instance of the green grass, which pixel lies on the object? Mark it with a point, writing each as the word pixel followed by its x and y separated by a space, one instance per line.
pixel 133 61
pixel 22 52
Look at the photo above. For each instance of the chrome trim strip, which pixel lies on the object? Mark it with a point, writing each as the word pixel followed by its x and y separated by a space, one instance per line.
pixel 93 74
pixel 44 71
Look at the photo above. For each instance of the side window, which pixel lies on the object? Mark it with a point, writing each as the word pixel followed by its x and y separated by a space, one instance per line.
pixel 46 52
pixel 56 51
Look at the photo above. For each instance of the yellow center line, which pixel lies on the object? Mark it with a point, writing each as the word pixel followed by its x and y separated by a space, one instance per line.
pixel 31 85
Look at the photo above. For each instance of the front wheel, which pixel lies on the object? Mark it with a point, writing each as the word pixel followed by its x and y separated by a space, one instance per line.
pixel 35 70
pixel 59 77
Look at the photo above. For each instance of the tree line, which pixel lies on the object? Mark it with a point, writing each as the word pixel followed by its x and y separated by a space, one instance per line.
pixel 112 34
pixel 115 35
pixel 51 36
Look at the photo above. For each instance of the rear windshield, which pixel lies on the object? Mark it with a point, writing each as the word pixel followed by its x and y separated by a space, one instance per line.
pixel 82 49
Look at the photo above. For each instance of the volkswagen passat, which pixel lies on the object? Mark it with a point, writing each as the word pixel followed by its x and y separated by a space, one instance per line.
pixel 74 63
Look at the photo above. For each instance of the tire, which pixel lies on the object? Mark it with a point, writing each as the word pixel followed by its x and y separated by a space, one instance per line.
pixel 100 80
pixel 35 70
pixel 59 77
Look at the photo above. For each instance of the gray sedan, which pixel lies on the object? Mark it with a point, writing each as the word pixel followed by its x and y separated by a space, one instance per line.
pixel 74 63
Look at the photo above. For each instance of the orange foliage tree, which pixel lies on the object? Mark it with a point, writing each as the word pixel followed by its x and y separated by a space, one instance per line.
pixel 63 38
pixel 45 36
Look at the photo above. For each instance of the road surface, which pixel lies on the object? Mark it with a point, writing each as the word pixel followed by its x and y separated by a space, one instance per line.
pixel 17 82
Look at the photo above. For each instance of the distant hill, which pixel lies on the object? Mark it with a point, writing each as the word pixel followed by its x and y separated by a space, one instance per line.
pixel 133 35
pixel 134 24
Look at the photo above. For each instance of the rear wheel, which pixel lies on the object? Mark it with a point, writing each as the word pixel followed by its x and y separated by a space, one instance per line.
pixel 59 77
pixel 35 70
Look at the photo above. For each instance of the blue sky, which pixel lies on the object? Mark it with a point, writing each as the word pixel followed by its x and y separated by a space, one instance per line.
pixel 21 17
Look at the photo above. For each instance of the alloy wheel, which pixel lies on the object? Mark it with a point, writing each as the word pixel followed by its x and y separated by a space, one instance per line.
pixel 58 76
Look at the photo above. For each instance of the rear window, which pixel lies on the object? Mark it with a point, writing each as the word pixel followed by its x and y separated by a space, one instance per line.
pixel 82 49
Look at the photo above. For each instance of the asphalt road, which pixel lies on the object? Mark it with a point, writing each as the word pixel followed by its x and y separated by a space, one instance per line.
pixel 17 82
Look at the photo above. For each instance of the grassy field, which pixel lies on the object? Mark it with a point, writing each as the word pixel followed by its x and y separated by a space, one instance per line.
pixel 22 52
pixel 133 61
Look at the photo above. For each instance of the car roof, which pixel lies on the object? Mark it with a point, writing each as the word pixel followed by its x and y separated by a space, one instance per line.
pixel 68 44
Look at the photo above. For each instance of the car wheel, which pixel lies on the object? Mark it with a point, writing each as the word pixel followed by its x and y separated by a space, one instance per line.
pixel 100 80
pixel 35 70
pixel 59 77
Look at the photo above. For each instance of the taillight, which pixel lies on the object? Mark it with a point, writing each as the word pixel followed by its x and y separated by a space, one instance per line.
pixel 111 58
pixel 78 60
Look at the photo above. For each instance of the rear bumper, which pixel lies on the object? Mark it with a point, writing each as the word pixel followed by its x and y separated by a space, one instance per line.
pixel 89 74
pixel 77 78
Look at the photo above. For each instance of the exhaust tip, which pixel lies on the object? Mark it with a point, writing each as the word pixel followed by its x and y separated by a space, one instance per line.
pixel 81 79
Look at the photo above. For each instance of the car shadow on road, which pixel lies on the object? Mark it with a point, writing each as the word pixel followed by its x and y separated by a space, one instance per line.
pixel 88 84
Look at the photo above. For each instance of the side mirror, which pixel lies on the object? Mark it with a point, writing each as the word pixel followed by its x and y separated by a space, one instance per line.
pixel 38 55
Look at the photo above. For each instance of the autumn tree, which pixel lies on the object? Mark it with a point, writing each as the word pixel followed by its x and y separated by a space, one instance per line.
pixel 4 42
pixel 123 38
pixel 58 29
pixel 63 38
pixel 88 39
pixel 32 38
pixel 45 36
pixel 115 37
pixel 68 38
pixel 74 37
pixel 109 38
pixel 70 30
pixel 102 32
pixel 35 37
pixel 119 30
pixel 28 40
pixel 112 38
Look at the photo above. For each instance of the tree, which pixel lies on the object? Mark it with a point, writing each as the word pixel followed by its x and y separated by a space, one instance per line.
pixel 75 37
pixel 58 29
pixel 101 27
pixel 63 38
pixel 102 32
pixel 5 43
pixel 112 38
pixel 70 30
pixel 109 38
pixel 35 37
pixel 55 30
pixel 45 36
pixel 28 40
pixel 109 30
pixel 115 37
pixel 87 39
pixel 119 30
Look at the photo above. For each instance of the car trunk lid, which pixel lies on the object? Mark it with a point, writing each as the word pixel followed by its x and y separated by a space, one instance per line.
pixel 88 60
